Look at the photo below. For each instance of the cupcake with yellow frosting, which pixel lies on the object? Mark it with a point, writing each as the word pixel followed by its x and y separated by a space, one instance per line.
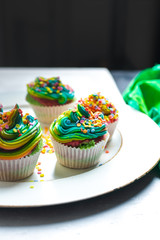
pixel 49 97
pixel 79 137
pixel 20 144
pixel 97 102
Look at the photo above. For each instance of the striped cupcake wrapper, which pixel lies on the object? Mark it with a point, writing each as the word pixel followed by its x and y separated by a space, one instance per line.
pixel 72 157
pixel 47 114
pixel 14 170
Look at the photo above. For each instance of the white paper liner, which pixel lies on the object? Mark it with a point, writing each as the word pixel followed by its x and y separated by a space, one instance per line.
pixel 46 114
pixel 78 158
pixel 13 170
pixel 111 128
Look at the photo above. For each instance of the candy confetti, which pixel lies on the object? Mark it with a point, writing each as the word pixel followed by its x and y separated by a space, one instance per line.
pixel 47 144
pixel 96 102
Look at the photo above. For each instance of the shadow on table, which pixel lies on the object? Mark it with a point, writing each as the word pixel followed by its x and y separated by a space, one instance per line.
pixel 76 210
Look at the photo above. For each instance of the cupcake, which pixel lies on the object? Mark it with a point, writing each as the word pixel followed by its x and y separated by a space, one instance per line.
pixel 97 102
pixel 20 144
pixel 49 98
pixel 79 137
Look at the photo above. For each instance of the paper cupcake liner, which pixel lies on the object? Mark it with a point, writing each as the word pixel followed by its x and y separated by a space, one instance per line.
pixel 78 158
pixel 46 114
pixel 111 128
pixel 13 170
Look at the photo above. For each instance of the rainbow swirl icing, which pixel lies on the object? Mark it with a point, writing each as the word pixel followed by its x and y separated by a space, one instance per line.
pixel 97 102
pixel 50 89
pixel 78 124
pixel 19 134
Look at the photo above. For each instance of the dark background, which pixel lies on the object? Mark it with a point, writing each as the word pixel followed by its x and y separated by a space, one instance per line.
pixel 117 34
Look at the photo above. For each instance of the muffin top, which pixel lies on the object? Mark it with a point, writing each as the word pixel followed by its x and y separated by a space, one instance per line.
pixel 78 124
pixel 19 134
pixel 97 102
pixel 49 91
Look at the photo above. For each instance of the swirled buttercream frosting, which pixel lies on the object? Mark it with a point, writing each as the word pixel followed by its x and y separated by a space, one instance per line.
pixel 19 134
pixel 97 102
pixel 49 92
pixel 77 125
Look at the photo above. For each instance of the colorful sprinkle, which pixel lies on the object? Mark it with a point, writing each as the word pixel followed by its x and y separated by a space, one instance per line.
pixel 96 102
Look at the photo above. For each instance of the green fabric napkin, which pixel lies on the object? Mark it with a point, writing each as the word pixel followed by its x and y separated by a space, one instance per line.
pixel 143 93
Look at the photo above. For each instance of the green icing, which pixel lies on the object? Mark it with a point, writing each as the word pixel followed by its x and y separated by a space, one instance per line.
pixel 86 145
pixel 77 124
pixel 18 134
pixel 51 89
pixel 37 148
pixel 32 100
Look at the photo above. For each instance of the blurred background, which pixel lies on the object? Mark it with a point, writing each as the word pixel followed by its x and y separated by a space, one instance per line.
pixel 117 34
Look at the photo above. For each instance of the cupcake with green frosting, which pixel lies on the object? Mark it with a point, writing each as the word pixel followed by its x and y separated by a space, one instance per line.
pixel 79 137
pixel 97 102
pixel 20 144
pixel 49 97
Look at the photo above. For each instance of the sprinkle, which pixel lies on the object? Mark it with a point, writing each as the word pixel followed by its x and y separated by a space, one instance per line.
pixel 78 124
pixel 106 151
pixel 68 121
pixel 92 130
pixel 17 126
pixel 81 121
pixel 39 172
pixel 25 121
pixel 6 126
pixel 24 131
pixel 43 150
pixel 85 131
pixel 30 118
pixel 42 175
pixel 42 180
pixel 32 186
pixel 39 163
pixel 50 151
pixel 59 88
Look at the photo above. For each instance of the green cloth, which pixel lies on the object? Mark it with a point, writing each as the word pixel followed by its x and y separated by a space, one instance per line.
pixel 143 93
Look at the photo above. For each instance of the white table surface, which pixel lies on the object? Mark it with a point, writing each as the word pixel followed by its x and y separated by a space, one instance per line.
pixel 131 212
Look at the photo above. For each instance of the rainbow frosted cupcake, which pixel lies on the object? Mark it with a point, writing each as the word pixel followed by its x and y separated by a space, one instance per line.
pixel 49 98
pixel 97 102
pixel 20 144
pixel 79 137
